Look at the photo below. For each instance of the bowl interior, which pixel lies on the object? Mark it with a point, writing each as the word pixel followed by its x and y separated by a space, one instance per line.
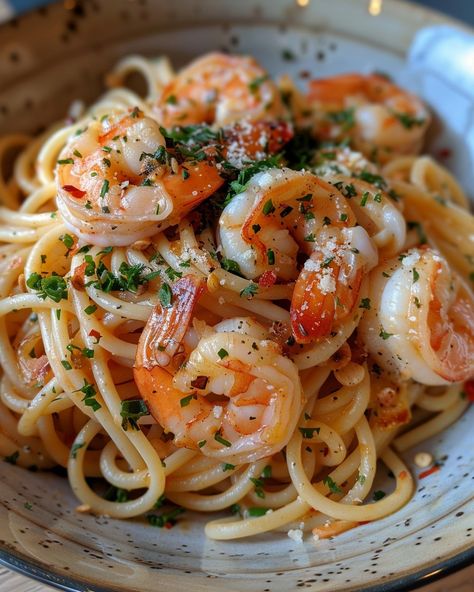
pixel 39 526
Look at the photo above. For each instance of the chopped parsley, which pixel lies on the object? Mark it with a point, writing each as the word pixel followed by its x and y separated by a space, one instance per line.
pixel 268 208
pixel 249 291
pixel 222 353
pixel 169 271
pixel 327 262
pixel 369 177
pixel 245 175
pixel 309 432
pixel 89 396
pixel 53 286
pixel 258 487
pixel 165 295
pixel 166 519
pixel 285 211
pixel 230 265
pixel 333 486
pixel 75 448
pixel 104 189
pixel 256 512
pixel 408 121
pixel 184 402
pixel 345 118
pixel 218 438
pixel 255 85
pixel 131 410
pixel 67 240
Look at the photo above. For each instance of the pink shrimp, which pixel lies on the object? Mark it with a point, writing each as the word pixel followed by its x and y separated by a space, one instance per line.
pixel 282 212
pixel 381 119
pixel 220 89
pixel 234 397
pixel 421 321
pixel 117 183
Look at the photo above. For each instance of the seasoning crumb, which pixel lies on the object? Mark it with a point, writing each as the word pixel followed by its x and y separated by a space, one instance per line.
pixel 423 459
pixel 296 534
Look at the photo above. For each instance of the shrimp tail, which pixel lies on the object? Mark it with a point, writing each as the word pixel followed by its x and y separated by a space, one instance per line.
pixel 311 312
pixel 167 325
pixel 193 184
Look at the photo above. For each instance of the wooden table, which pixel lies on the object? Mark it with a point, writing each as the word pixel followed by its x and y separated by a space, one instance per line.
pixel 462 581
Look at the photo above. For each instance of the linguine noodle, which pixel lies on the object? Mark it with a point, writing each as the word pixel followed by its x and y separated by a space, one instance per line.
pixel 68 347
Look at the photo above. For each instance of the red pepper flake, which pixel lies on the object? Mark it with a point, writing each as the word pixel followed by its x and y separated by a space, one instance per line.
pixel 445 153
pixel 78 277
pixel 434 469
pixel 96 335
pixel 403 475
pixel 74 191
pixel 267 279
pixel 469 390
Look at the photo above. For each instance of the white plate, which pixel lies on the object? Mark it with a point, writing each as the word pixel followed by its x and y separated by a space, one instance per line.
pixel 53 56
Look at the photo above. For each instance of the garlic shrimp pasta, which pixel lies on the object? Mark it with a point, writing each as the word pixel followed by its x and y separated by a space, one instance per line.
pixel 233 296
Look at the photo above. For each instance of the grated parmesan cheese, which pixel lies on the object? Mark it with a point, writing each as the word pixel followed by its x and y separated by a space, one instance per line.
pixel 423 459
pixel 327 284
pixel 296 534
pixel 411 259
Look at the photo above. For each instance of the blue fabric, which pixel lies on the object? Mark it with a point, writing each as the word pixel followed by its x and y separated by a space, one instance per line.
pixel 23 5
pixel 461 9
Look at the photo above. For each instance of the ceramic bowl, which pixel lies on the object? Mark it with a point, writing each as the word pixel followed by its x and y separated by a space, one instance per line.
pixel 59 53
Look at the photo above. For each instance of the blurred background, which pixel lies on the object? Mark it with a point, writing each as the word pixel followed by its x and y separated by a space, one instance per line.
pixel 460 9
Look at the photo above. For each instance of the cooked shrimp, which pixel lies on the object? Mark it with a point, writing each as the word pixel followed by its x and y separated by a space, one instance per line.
pixel 220 89
pixel 32 361
pixel 332 161
pixel 282 212
pixel 118 184
pixel 421 319
pixel 381 119
pixel 370 201
pixel 235 397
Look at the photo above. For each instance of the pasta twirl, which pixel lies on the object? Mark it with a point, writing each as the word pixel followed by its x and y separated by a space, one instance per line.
pixel 231 296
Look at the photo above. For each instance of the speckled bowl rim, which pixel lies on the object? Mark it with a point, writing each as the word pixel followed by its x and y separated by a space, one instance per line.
pixel 36 570
pixel 410 581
